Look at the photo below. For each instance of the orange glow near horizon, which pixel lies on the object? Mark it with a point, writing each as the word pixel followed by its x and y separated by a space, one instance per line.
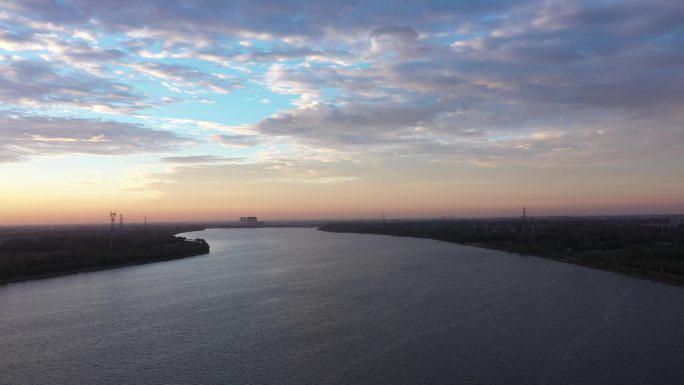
pixel 184 198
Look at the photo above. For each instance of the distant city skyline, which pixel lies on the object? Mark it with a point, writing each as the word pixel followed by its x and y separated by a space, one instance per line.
pixel 299 110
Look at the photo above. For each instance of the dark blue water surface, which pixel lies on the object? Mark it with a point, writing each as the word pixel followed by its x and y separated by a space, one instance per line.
pixel 299 306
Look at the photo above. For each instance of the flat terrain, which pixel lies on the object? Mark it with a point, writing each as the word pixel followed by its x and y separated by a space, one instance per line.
pixel 27 253
pixel 643 247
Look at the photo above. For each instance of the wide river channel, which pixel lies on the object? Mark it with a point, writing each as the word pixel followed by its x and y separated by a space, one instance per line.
pixel 300 306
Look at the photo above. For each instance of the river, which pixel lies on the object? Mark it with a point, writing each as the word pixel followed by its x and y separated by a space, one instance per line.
pixel 300 306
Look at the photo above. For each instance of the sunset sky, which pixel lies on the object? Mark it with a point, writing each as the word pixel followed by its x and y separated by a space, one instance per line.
pixel 211 110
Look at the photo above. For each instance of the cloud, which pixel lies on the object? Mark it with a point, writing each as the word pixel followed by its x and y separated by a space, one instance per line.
pixel 290 53
pixel 245 18
pixel 199 159
pixel 36 83
pixel 236 140
pixel 12 41
pixel 394 30
pixel 248 181
pixel 183 76
pixel 553 51
pixel 23 137
pixel 355 124
pixel 465 83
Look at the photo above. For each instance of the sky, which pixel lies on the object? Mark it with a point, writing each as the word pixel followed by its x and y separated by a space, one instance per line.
pixel 211 110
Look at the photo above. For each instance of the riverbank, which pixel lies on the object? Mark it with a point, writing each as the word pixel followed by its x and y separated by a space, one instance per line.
pixel 669 279
pixel 98 268
pixel 660 262
pixel 42 257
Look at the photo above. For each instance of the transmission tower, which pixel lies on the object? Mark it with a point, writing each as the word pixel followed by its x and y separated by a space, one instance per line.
pixel 112 217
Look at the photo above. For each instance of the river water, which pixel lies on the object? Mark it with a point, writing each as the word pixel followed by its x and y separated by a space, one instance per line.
pixel 300 306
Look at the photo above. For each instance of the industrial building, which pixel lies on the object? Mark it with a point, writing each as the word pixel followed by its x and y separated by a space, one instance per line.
pixel 248 221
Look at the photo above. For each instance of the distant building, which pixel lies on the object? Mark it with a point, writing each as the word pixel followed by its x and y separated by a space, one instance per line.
pixel 675 222
pixel 248 221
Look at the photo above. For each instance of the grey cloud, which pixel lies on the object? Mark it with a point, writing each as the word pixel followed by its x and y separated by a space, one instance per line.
pixel 553 44
pixel 291 53
pixel 185 76
pixel 84 52
pixel 394 30
pixel 463 127
pixel 517 67
pixel 626 18
pixel 24 136
pixel 236 140
pixel 308 80
pixel 258 16
pixel 355 124
pixel 38 82
pixel 13 41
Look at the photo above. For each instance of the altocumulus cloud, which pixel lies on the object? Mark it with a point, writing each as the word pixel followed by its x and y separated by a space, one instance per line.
pixel 236 140
pixel 22 137
pixel 464 80
pixel 37 83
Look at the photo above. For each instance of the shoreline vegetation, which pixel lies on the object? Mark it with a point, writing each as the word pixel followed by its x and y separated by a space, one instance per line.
pixel 628 247
pixel 46 254
pixel 28 253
